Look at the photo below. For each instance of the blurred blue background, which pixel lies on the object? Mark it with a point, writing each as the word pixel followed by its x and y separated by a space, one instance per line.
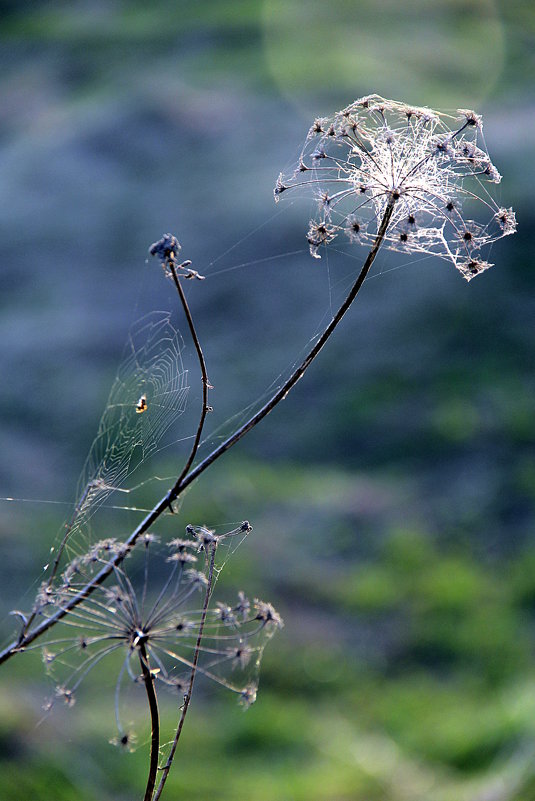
pixel 392 494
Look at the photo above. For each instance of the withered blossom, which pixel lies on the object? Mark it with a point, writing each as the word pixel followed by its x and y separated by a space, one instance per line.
pixel 153 612
pixel 434 166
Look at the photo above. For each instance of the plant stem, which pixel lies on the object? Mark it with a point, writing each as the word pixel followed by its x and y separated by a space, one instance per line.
pixel 154 719
pixel 187 696
pixel 281 394
pixel 205 382
pixel 185 479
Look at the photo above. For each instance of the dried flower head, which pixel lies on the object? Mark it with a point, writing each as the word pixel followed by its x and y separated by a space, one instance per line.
pixel 433 166
pixel 166 250
pixel 154 609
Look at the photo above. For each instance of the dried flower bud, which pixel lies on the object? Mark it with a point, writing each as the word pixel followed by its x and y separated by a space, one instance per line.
pixel 196 578
pixel 506 220
pixel 267 614
pixel 248 695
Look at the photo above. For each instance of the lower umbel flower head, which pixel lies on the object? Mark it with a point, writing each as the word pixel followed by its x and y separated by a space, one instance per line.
pixel 434 167
pixel 152 610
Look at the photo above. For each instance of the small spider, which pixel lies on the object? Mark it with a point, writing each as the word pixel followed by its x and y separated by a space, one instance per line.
pixel 142 405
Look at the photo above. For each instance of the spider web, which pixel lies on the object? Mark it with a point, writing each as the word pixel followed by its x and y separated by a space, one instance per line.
pixel 147 395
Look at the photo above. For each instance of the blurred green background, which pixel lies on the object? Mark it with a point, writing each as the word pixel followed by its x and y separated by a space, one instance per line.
pixel 392 494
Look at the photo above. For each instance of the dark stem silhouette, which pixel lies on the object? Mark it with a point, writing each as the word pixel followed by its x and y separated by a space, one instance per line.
pixel 148 681
pixel 187 695
pixel 204 375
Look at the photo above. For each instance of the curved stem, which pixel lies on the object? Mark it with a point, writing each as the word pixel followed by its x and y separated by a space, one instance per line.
pixel 187 696
pixel 184 480
pixel 205 382
pixel 281 393
pixel 154 719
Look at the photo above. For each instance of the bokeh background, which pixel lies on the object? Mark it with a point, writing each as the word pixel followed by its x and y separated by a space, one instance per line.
pixel 392 494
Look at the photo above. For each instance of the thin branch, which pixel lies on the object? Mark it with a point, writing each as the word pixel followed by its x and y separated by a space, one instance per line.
pixel 183 482
pixel 187 696
pixel 148 680
pixel 281 394
pixel 205 382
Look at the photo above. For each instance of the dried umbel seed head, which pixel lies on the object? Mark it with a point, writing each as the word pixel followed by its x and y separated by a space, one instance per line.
pixel 153 611
pixel 434 167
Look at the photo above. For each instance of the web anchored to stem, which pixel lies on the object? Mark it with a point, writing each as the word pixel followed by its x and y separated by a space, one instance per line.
pixel 29 636
pixel 434 165
pixel 383 173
